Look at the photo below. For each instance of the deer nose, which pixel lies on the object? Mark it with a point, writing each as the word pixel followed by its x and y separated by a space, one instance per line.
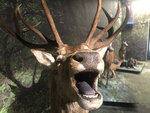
pixel 78 57
pixel 89 60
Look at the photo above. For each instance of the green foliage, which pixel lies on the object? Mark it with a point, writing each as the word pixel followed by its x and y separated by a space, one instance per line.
pixel 6 97
pixel 26 76
pixel 13 99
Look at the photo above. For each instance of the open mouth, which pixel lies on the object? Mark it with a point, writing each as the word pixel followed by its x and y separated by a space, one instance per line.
pixel 86 85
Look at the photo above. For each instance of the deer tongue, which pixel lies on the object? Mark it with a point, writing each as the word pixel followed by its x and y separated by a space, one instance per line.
pixel 85 88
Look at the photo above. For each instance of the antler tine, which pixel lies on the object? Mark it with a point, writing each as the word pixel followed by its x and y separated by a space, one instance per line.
pixel 3 23
pixel 52 24
pixel 27 29
pixel 29 26
pixel 33 46
pixel 95 22
pixel 107 15
pixel 111 30
pixel 99 36
pixel 16 22
pixel 46 39
pixel 49 46
pixel 107 42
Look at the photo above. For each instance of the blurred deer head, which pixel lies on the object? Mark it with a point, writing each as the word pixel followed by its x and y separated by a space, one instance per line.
pixel 75 69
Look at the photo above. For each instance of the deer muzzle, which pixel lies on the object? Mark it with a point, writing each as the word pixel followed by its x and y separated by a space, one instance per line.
pixel 86 68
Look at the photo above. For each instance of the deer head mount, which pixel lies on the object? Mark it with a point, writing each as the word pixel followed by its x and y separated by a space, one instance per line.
pixel 75 69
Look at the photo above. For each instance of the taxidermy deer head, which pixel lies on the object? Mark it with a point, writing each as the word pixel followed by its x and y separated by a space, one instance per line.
pixel 75 69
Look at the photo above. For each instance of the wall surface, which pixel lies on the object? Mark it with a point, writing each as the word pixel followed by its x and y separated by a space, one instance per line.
pixel 74 18
pixel 136 34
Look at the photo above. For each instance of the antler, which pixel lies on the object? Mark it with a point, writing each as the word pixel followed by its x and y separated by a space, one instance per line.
pixel 94 44
pixel 95 22
pixel 52 24
pixel 111 30
pixel 2 22
pixel 111 38
pixel 50 44
pixel 99 36
pixel 28 25
pixel 91 41
pixel 27 29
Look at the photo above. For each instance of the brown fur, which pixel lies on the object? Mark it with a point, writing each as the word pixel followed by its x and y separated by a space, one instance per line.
pixel 113 67
pixel 63 97
pixel 123 50
pixel 61 103
pixel 69 64
pixel 109 61
pixel 111 57
pixel 132 63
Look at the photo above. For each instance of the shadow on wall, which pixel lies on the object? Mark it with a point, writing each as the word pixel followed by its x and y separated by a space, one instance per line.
pixel 33 99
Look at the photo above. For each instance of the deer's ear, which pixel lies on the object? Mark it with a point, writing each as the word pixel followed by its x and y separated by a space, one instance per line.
pixel 102 51
pixel 43 57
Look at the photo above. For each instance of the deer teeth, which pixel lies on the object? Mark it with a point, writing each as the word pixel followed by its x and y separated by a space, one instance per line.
pixel 90 96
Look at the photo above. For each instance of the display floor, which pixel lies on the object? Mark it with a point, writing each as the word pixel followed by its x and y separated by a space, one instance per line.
pixel 136 69
pixel 129 94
